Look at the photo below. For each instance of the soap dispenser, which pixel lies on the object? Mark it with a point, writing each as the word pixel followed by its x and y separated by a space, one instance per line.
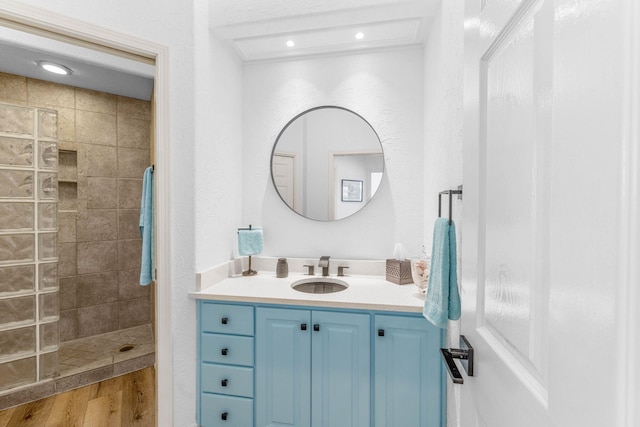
pixel 282 268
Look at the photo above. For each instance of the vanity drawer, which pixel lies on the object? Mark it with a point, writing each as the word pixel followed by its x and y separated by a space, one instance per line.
pixel 225 411
pixel 228 349
pixel 225 379
pixel 227 319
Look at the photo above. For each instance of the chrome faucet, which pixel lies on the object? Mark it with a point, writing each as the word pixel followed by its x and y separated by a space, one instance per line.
pixel 324 264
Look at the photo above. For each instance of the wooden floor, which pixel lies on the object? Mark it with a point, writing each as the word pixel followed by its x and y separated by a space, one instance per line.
pixel 128 400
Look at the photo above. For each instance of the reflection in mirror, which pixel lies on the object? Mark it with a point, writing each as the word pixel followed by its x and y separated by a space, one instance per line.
pixel 327 163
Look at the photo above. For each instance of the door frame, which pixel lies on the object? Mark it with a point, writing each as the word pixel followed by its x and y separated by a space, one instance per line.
pixel 58 27
pixel 628 315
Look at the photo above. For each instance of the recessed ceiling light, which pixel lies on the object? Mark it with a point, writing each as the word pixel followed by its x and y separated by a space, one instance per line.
pixel 52 67
pixel 290 43
pixel 359 35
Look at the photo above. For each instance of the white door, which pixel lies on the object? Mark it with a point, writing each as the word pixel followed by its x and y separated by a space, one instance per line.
pixel 542 231
pixel 284 178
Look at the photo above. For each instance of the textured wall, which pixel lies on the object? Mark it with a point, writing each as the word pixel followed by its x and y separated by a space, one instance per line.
pixel 386 88
pixel 443 112
pixel 171 24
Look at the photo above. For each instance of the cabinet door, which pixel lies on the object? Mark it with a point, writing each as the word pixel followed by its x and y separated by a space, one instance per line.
pixel 341 375
pixel 283 381
pixel 407 373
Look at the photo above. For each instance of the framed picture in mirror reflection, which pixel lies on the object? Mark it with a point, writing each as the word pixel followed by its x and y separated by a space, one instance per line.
pixel 351 190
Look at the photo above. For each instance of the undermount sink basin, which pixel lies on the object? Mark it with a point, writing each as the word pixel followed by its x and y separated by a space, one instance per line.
pixel 319 285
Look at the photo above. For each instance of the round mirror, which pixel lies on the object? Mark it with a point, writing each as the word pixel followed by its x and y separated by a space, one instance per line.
pixel 327 163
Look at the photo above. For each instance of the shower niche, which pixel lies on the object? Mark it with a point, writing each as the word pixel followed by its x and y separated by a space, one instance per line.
pixel 68 180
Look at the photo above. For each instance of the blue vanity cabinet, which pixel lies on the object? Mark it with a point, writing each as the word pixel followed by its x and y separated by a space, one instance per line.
pixel 313 368
pixel 225 365
pixel 283 367
pixel 409 388
pixel 341 369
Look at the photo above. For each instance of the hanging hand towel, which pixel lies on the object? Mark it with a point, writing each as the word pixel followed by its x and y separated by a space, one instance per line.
pixel 147 267
pixel 250 241
pixel 442 301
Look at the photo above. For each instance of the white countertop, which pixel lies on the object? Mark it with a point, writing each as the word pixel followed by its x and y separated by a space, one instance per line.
pixel 364 293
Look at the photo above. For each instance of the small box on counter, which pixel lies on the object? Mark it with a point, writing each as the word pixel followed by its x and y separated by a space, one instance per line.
pixel 399 272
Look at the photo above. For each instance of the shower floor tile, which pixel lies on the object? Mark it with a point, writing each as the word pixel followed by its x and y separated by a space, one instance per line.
pixel 102 350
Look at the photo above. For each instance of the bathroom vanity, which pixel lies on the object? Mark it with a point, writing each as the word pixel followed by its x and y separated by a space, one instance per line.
pixel 269 355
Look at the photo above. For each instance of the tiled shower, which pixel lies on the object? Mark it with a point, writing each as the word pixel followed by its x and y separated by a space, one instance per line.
pixel 71 309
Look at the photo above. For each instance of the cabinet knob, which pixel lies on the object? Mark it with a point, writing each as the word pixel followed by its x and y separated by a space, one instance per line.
pixel 224 351
pixel 303 327
pixel 224 320
pixel 380 332
pixel 316 327
pixel 224 382
pixel 224 416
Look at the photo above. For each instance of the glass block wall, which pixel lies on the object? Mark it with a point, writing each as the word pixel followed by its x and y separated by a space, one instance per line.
pixel 29 311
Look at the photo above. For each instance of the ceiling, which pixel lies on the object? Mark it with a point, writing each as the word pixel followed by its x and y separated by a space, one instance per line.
pixel 20 53
pixel 259 29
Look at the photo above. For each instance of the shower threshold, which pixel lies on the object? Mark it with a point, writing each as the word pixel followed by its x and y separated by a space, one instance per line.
pixel 86 354
pixel 91 360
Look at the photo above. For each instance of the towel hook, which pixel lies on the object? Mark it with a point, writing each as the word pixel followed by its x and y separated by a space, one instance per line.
pixel 449 193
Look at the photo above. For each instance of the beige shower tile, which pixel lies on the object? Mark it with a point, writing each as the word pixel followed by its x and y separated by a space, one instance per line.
pixel 67 230
pixel 95 128
pixel 97 257
pixel 99 224
pixel 134 133
pixel 98 102
pixel 131 107
pixel 40 93
pixel 129 254
pixel 68 325
pixel 66 124
pixel 102 160
pixel 129 285
pixel 133 312
pixel 67 293
pixel 132 162
pixel 129 193
pixel 97 319
pixel 12 87
pixel 128 224
pixel 94 289
pixel 67 260
pixel 102 193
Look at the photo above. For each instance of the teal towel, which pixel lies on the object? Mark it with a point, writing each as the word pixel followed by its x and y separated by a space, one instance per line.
pixel 250 242
pixel 442 301
pixel 147 267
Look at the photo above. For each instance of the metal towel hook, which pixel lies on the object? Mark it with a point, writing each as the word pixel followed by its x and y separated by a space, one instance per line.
pixel 449 193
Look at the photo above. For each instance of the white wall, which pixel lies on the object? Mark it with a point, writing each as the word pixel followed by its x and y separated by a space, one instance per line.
pixel 386 88
pixel 210 182
pixel 443 115
pixel 205 132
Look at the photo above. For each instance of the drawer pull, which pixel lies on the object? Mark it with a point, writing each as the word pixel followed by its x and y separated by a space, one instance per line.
pixel 224 320
pixel 316 327
pixel 380 332
pixel 224 382
pixel 224 416
pixel 303 327
pixel 224 351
